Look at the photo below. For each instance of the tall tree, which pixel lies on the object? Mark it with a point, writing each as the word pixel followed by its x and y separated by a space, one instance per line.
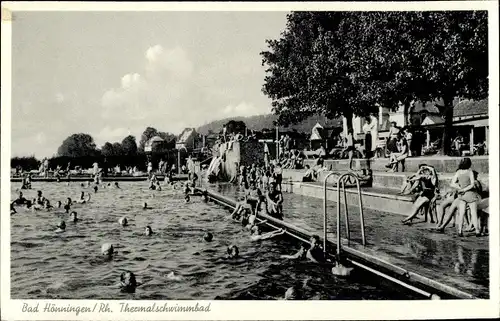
pixel 129 146
pixel 148 133
pixel 78 145
pixel 107 149
pixel 310 71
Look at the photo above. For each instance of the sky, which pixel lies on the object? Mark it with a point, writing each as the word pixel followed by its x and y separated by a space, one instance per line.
pixel 111 74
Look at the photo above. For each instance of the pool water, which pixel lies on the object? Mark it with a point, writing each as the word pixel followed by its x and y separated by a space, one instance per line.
pixel 47 265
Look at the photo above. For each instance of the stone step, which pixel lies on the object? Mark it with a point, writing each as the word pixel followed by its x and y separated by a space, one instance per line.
pixel 376 198
pixel 442 164
pixel 383 179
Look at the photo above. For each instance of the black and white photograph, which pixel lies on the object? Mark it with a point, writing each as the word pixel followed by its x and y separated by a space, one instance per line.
pixel 199 156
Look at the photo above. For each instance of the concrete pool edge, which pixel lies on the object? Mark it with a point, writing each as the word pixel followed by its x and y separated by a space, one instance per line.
pixel 406 278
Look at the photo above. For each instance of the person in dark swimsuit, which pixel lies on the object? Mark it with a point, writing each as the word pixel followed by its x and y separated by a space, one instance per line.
pixel 428 191
pixel 314 253
pixel 274 202
pixel 20 200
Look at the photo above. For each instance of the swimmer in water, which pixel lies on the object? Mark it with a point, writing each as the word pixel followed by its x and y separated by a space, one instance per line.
pixel 208 237
pixel 123 221
pixel 340 270
pixel 12 209
pixel 107 250
pixel 313 254
pixel 82 199
pixel 116 185
pixel 58 204
pixel 20 200
pixel 291 294
pixel 61 227
pixel 68 204
pixel 146 207
pixel 128 282
pixel 256 234
pixel 232 252
pixel 46 204
pixel 187 198
pixel 148 231
pixel 95 189
pixel 172 276
pixel 74 217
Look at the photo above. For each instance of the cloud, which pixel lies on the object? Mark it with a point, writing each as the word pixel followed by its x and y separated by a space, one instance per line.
pixel 244 109
pixel 174 90
pixel 60 98
pixel 112 135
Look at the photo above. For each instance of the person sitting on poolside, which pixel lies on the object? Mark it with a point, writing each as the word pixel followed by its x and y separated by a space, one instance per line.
pixel 429 189
pixel 412 182
pixel 314 253
pixel 253 196
pixel 274 202
pixel 398 157
pixel 256 234
pixel 309 175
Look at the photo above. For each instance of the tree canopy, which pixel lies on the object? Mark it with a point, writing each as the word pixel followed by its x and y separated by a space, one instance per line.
pixel 151 132
pixel 345 63
pixel 78 145
pixel 129 146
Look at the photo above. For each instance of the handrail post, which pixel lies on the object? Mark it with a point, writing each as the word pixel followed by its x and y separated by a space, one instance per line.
pixel 338 217
pixel 348 231
pixel 361 214
pixel 325 212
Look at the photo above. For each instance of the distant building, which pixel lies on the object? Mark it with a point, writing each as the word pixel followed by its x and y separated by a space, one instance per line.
pixel 187 139
pixel 155 144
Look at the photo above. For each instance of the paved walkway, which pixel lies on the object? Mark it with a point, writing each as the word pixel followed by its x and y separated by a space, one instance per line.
pixel 461 262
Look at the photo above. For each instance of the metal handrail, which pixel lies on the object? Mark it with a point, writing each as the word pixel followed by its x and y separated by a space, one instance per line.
pixel 341 186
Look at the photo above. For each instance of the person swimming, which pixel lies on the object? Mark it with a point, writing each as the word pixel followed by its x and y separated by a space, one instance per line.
pixel 96 188
pixel 256 234
pixel 20 200
pixel 187 198
pixel 61 227
pixel 148 231
pixel 313 254
pixel 232 252
pixel 128 282
pixel 74 217
pixel 208 237
pixel 108 250
pixel 291 294
pixel 82 199
pixel 12 209
pixel 146 207
pixel 46 205
pixel 39 198
pixel 116 185
pixel 123 221
pixel 58 204
pixel 68 204
pixel 340 270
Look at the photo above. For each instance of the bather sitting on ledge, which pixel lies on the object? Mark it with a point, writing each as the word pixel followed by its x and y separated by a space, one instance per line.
pixel 274 202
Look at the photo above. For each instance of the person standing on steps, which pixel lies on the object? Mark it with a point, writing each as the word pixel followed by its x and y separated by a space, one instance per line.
pixel 370 128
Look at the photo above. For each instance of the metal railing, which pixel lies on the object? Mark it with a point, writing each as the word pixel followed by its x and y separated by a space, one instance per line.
pixel 341 180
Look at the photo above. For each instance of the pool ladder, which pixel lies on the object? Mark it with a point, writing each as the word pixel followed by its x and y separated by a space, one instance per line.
pixel 341 180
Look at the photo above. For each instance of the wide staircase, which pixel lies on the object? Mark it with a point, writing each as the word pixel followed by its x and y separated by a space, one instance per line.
pixel 383 192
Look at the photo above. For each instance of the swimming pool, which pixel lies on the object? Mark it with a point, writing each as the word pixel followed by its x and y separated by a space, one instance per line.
pixel 47 265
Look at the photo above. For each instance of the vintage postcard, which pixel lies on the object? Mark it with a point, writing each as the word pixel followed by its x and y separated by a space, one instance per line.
pixel 246 161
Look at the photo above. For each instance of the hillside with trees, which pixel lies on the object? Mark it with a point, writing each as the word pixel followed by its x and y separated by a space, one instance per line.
pixel 261 122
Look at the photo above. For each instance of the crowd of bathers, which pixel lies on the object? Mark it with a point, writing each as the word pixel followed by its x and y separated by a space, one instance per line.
pixel 463 201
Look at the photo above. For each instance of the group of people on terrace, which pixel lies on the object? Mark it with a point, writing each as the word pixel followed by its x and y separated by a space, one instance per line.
pixel 464 201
